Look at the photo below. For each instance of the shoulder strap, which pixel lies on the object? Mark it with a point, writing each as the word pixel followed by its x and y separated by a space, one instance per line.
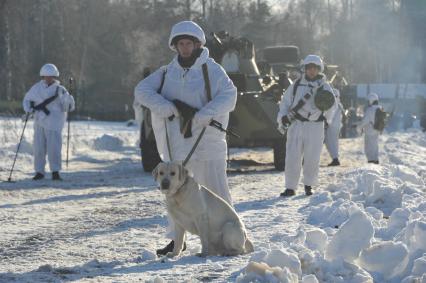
pixel 295 86
pixel 163 78
pixel 207 82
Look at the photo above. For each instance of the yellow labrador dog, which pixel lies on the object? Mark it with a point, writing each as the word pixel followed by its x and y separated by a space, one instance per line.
pixel 199 211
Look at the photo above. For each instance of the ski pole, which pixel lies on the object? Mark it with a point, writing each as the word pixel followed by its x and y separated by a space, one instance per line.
pixel 69 122
pixel 19 145
pixel 68 138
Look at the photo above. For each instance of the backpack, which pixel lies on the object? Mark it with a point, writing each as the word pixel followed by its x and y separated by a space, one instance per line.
pixel 380 119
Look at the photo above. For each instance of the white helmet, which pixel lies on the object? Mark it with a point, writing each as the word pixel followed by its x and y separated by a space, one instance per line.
pixel 314 59
pixel 186 28
pixel 336 92
pixel 372 97
pixel 49 70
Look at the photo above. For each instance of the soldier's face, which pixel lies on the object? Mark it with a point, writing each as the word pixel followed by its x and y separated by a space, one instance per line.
pixel 185 47
pixel 49 80
pixel 311 71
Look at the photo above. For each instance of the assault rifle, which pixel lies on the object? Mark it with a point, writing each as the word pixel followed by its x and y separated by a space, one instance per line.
pixel 187 113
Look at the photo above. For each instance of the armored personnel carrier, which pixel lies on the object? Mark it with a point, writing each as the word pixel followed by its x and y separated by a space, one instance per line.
pixel 254 117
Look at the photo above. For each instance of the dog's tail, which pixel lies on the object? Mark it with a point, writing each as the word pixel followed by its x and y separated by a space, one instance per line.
pixel 248 246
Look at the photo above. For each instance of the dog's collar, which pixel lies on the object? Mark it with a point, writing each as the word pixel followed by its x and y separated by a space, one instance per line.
pixel 184 183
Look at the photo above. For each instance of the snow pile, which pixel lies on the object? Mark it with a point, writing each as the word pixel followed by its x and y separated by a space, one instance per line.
pixel 370 226
pixel 278 265
pixel 347 245
pixel 25 147
pixel 146 255
pixel 316 239
pixel 383 216
pixel 419 267
pixel 108 142
pixel 388 258
pixel 10 130
pixel 297 263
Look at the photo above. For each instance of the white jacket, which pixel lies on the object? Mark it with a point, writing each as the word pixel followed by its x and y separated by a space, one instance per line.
pixel 337 117
pixel 187 85
pixel 367 121
pixel 58 108
pixel 309 110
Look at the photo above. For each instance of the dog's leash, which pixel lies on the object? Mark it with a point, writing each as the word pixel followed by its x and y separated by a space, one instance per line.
pixel 194 147
pixel 168 141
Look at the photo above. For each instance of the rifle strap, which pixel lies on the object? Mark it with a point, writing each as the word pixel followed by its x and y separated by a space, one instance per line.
pixel 163 78
pixel 296 85
pixel 207 82
pixel 160 89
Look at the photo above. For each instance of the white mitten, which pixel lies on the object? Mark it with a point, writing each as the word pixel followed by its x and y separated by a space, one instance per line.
pixel 167 110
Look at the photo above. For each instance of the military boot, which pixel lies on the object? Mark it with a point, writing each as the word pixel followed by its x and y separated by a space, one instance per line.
pixel 169 248
pixel 288 193
pixel 56 176
pixel 38 176
pixel 308 190
pixel 335 162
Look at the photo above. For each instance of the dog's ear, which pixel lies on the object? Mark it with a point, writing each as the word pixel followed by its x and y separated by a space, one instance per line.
pixel 155 172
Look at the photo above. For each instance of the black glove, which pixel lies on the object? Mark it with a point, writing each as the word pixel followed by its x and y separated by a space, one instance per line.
pixel 285 120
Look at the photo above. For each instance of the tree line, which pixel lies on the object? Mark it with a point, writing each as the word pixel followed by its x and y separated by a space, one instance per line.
pixel 106 44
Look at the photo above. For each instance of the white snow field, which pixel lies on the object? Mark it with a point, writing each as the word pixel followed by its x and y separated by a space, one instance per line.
pixel 103 223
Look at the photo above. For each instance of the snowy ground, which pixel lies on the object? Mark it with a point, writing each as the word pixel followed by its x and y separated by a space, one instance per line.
pixel 105 220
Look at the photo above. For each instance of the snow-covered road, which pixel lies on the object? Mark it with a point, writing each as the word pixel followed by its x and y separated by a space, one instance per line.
pixel 105 220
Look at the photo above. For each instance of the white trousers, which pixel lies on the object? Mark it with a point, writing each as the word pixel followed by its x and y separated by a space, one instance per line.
pixel 212 175
pixel 47 142
pixel 332 141
pixel 304 145
pixel 371 146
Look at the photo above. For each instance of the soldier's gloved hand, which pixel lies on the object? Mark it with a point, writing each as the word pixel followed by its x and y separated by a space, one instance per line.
pixel 29 107
pixel 168 110
pixel 29 111
pixel 285 121
pixel 201 120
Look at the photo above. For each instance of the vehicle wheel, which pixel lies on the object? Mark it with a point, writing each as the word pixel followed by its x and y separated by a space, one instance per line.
pixel 279 155
pixel 149 152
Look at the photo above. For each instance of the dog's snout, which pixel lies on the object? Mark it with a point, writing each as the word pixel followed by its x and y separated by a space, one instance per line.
pixel 165 184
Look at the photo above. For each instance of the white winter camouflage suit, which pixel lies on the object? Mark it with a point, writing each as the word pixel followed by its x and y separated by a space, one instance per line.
pixel 304 139
pixel 48 128
pixel 208 163
pixel 371 135
pixel 332 132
